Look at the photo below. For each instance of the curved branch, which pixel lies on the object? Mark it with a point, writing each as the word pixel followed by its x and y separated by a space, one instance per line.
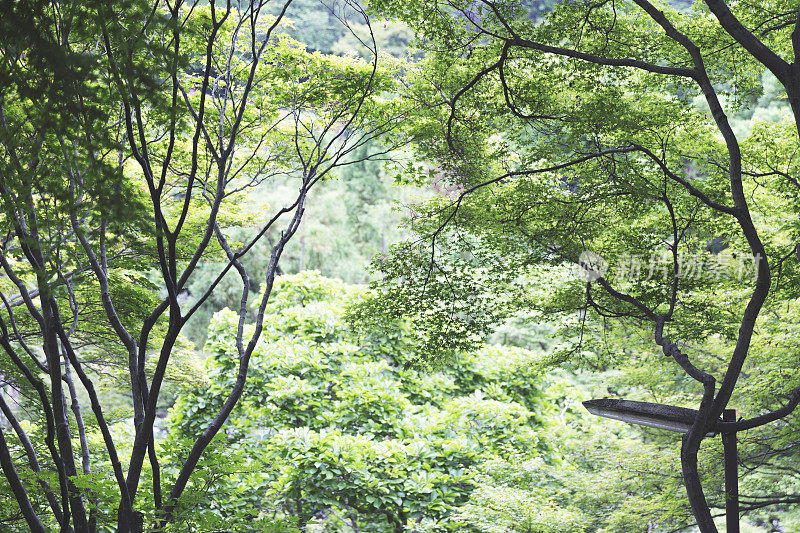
pixel 20 494
pixel 694 191
pixel 748 41
pixel 766 418
pixel 604 61
pixel 32 461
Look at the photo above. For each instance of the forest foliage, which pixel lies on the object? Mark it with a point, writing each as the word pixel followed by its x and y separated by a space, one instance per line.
pixel 557 201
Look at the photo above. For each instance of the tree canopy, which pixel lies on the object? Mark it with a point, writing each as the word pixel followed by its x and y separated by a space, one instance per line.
pixel 609 185
pixel 131 133
pixel 600 135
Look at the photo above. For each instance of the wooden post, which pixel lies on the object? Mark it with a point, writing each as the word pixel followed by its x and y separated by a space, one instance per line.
pixel 731 474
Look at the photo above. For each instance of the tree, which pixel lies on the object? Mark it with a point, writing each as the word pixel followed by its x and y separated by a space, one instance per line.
pixel 130 131
pixel 337 428
pixel 580 134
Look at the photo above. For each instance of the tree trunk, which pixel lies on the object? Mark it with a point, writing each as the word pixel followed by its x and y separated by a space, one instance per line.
pixel 694 490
